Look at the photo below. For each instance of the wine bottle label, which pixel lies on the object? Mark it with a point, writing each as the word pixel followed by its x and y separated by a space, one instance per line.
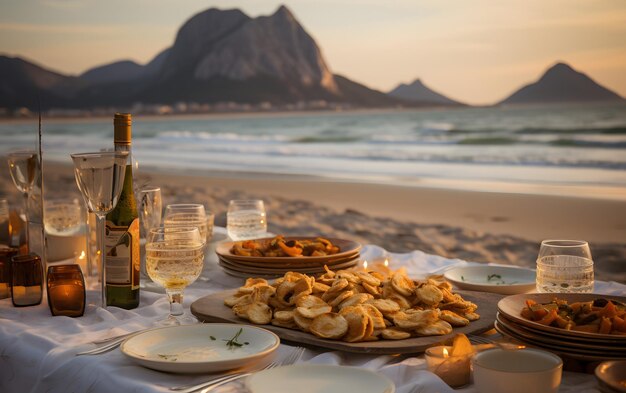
pixel 122 254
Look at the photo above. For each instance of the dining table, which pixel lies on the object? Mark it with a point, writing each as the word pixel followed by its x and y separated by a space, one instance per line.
pixel 38 351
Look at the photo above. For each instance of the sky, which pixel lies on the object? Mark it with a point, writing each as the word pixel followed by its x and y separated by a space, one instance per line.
pixel 477 51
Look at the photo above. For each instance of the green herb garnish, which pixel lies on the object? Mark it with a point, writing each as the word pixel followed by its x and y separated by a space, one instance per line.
pixel 212 338
pixel 173 358
pixel 494 276
pixel 462 278
pixel 233 343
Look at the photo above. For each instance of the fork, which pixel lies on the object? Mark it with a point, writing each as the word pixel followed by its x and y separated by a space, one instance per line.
pixel 103 349
pixel 207 386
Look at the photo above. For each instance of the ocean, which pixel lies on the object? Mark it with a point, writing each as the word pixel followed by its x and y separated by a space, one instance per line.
pixel 581 145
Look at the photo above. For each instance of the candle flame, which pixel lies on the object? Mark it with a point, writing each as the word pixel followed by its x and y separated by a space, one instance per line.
pixel 82 255
pixel 445 353
pixel 364 265
pixel 386 263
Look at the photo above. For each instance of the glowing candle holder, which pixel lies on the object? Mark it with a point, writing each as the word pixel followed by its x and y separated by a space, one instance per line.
pixel 27 282
pixel 453 370
pixel 66 290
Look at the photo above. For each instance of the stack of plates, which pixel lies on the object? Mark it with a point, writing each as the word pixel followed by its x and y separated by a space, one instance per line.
pixel 577 345
pixel 271 267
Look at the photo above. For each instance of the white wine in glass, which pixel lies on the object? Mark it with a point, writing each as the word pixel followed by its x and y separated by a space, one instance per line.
pixel 174 259
pixel 23 168
pixel 100 178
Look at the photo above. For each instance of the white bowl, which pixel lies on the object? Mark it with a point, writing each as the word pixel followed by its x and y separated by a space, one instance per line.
pixel 612 376
pixel 517 371
pixel 506 280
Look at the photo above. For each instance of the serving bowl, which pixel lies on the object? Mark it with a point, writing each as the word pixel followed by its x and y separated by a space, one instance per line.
pixel 517 371
pixel 612 376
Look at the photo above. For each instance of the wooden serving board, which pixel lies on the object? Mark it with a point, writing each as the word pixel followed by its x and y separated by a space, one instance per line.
pixel 211 308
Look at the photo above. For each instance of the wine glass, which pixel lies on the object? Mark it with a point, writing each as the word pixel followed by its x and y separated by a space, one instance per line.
pixel 23 168
pixel 100 178
pixel 187 215
pixel 151 208
pixel 564 266
pixel 174 259
pixel 246 219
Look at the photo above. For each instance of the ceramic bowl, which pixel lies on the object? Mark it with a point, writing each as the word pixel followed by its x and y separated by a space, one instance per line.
pixel 612 376
pixel 517 371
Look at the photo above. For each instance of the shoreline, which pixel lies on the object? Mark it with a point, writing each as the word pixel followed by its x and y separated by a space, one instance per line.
pixel 479 226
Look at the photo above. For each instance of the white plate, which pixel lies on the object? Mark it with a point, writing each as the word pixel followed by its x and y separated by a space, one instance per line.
pixel 506 280
pixel 190 349
pixel 317 378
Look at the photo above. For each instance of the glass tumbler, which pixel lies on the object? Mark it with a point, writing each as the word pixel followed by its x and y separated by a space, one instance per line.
pixel 565 266
pixel 6 276
pixel 27 283
pixel 246 219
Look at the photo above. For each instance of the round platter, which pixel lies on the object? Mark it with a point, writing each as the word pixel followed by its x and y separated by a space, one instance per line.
pixel 199 348
pixel 347 248
pixel 511 307
pixel 270 269
pixel 318 378
pixel 506 280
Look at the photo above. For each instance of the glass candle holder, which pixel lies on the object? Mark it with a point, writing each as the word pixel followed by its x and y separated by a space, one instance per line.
pixel 6 253
pixel 453 370
pixel 66 290
pixel 27 283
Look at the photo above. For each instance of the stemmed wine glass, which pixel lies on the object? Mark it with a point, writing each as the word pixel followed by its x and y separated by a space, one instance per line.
pixel 174 259
pixel 151 206
pixel 187 214
pixel 100 178
pixel 23 168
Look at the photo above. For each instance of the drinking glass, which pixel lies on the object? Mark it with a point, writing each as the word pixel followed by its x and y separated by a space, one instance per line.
pixel 246 219
pixel 5 235
pixel 65 226
pixel 23 168
pixel 174 259
pixel 565 266
pixel 187 215
pixel 100 178
pixel 150 208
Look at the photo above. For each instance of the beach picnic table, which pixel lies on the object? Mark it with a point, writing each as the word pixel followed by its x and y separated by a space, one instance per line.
pixel 38 352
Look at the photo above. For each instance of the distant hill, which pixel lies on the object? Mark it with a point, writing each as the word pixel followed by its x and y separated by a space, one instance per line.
pixel 562 84
pixel 419 92
pixel 217 56
pixel 115 72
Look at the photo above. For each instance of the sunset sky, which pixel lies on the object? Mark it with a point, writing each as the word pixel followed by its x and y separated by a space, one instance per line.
pixel 475 51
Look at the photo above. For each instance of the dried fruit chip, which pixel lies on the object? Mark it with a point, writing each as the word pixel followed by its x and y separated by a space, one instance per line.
pixel 329 325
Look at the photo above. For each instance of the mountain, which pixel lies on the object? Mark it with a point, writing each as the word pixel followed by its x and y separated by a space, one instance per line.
pixel 25 84
pixel 561 84
pixel 218 56
pixel 115 72
pixel 419 92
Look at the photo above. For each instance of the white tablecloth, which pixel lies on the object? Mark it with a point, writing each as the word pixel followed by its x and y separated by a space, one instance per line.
pixel 37 351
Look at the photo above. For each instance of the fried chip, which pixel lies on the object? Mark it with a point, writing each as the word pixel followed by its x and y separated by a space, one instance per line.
pixel 340 298
pixel 429 294
pixel 357 323
pixel 315 311
pixel 329 325
pixel 413 319
pixel 259 313
pixel 357 298
pixel 438 328
pixel 284 316
pixel 386 306
pixel 303 322
pixel 395 334
pixel 402 283
pixel 453 318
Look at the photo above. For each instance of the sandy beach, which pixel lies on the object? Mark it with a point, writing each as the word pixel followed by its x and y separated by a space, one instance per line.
pixel 494 227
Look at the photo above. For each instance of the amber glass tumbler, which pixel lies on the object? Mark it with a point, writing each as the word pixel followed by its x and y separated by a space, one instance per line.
pixel 66 290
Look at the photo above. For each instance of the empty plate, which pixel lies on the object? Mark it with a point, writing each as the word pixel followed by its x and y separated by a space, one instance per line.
pixel 317 378
pixel 506 280
pixel 200 348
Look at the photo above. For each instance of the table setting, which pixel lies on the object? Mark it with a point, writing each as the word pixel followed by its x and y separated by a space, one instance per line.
pixel 170 302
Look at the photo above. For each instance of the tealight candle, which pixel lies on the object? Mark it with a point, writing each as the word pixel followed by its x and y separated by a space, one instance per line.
pixel 453 370
pixel 27 280
pixel 66 290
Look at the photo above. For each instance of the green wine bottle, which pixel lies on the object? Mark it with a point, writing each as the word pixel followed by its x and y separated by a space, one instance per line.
pixel 121 258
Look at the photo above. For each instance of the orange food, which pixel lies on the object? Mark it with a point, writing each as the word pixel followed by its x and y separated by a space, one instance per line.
pixel 279 247
pixel 598 316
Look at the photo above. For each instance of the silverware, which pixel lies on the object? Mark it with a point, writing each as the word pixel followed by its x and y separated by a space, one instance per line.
pixel 485 342
pixel 207 386
pixel 111 344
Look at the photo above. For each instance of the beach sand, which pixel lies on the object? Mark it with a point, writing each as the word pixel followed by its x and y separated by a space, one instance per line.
pixel 481 226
